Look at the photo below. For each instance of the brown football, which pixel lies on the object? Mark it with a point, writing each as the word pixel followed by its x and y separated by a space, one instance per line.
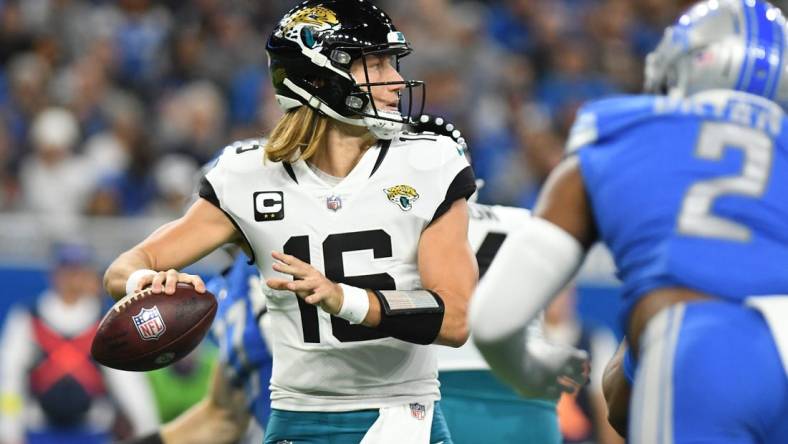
pixel 146 331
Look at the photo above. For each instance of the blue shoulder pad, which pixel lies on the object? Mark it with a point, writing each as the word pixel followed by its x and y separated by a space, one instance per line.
pixel 601 119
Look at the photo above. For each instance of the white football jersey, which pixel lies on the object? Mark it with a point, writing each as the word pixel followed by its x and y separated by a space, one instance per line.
pixel 488 227
pixel 364 231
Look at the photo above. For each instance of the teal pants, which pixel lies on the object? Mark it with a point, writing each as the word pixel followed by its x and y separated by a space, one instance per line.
pixel 287 427
pixel 480 409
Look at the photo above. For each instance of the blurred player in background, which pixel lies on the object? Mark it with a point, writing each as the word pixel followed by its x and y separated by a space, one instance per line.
pixel 241 330
pixel 688 191
pixel 478 407
pixel 357 209
pixel 51 390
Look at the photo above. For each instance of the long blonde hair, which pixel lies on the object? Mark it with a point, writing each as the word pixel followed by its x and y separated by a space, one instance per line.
pixel 297 135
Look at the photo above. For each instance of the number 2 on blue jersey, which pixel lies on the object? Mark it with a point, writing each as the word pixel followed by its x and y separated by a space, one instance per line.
pixel 696 217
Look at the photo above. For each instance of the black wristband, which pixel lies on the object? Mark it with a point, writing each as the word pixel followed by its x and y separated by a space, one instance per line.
pixel 413 316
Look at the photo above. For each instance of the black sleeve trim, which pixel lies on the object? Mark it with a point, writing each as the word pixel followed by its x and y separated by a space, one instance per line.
pixel 384 149
pixel 249 249
pixel 463 186
pixel 208 193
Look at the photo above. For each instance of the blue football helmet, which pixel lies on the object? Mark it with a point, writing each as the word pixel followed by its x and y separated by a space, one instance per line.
pixel 722 44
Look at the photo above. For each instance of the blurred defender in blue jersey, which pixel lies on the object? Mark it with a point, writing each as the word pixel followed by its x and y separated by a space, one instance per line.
pixel 688 190
pixel 244 355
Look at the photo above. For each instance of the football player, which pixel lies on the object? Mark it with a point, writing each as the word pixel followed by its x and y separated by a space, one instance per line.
pixel 688 191
pixel 478 407
pixel 359 229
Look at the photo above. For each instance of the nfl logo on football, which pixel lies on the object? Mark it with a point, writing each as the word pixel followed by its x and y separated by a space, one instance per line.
pixel 418 411
pixel 149 323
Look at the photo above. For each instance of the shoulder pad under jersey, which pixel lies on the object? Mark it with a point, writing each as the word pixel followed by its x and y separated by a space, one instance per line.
pixel 601 119
pixel 427 151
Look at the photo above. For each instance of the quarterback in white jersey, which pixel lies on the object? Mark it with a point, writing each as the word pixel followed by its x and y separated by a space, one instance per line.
pixel 363 231
pixel 359 229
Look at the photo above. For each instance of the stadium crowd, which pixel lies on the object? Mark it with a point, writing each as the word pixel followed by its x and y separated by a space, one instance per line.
pixel 110 107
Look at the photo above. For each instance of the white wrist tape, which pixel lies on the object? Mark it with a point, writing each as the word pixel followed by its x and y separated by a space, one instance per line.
pixel 355 304
pixel 134 278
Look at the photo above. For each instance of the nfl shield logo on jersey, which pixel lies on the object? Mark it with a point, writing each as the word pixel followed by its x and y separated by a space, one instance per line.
pixel 418 411
pixel 149 323
pixel 333 203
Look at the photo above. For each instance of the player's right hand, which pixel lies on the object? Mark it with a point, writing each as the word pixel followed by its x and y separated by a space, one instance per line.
pixel 165 281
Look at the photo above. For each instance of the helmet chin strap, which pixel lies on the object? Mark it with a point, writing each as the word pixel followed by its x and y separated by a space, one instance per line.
pixel 384 129
pixel 380 128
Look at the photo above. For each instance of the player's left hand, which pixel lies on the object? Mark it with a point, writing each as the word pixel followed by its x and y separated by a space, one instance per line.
pixel 310 284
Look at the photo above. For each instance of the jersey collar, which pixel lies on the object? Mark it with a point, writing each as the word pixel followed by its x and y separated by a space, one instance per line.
pixel 300 172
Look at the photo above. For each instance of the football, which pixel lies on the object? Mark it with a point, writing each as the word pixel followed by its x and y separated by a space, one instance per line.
pixel 147 331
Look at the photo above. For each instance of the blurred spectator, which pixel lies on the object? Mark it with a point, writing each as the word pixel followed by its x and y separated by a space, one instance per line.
pixel 9 188
pixel 28 81
pixel 131 191
pixel 55 181
pixel 51 389
pixel 175 177
pixel 110 151
pixel 140 29
pixel 15 37
pixel 582 416
pixel 197 71
pixel 570 81
pixel 193 121
pixel 83 86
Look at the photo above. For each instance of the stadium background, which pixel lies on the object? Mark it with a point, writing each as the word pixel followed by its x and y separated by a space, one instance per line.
pixel 156 87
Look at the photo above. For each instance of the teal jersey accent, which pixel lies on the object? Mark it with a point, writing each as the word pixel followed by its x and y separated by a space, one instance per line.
pixel 479 408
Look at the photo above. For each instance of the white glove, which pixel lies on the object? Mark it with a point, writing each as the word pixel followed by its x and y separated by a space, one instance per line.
pixel 536 367
pixel 550 369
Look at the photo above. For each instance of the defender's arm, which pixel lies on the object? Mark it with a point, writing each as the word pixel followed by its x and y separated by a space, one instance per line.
pixel 532 267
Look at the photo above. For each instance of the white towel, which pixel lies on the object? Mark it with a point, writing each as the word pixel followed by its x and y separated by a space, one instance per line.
pixel 408 423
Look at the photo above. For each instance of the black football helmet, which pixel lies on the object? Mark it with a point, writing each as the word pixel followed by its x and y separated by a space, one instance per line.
pixel 310 53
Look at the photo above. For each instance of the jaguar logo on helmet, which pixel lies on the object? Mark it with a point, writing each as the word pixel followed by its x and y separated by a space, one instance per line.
pixel 318 18
pixel 402 195
pixel 312 51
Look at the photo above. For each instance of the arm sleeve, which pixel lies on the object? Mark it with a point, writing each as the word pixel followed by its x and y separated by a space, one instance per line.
pixel 531 268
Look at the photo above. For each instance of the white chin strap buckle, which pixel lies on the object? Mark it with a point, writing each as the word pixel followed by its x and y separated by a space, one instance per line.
pixel 384 129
